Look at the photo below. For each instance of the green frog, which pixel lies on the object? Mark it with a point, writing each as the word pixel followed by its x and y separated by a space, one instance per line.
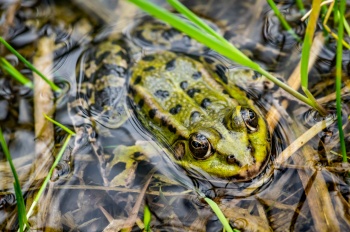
pixel 188 103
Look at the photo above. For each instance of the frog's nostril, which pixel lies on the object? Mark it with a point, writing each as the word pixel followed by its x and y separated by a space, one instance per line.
pixel 231 159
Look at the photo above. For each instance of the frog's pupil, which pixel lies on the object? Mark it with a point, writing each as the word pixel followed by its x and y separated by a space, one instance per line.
pixel 251 114
pixel 197 145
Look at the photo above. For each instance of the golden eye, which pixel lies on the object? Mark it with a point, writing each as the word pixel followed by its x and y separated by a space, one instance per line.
pixel 250 119
pixel 200 146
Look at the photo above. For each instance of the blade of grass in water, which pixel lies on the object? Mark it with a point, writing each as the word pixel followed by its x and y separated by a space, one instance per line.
pixel 305 55
pixel 60 125
pixel 22 219
pixel 310 30
pixel 338 79
pixel 301 6
pixel 5 65
pixel 147 218
pixel 220 215
pixel 225 49
pixel 196 20
pixel 53 86
pixel 282 20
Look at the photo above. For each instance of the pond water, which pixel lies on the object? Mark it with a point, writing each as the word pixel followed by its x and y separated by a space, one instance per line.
pixel 120 162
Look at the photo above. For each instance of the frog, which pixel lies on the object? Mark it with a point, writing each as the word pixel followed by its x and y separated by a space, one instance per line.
pixel 204 121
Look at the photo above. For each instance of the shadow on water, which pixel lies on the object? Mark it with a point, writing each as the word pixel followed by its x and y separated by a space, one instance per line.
pixel 99 183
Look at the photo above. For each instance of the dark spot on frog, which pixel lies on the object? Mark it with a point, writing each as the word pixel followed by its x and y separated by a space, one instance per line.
pixel 150 68
pixel 179 150
pixel 172 129
pixel 209 60
pixel 123 55
pixel 141 40
pixel 195 116
pixel 117 169
pixel 191 92
pixel 256 75
pixel 196 75
pixel 140 104
pixel 132 92
pixel 110 69
pixel 176 109
pixel 163 121
pixel 184 85
pixel 220 70
pixel 137 80
pixel 102 57
pixel 168 34
pixel 224 91
pixel 205 103
pixel 241 88
pixel 152 113
pixel 170 65
pixel 137 154
pixel 162 94
pixel 148 58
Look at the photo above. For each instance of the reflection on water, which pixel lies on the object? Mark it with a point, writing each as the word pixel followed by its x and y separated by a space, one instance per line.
pixel 96 186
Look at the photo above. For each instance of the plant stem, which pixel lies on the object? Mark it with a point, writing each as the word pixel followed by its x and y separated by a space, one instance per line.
pixel 310 30
pixel 339 79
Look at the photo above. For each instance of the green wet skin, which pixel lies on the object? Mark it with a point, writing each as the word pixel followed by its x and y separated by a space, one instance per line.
pixel 205 118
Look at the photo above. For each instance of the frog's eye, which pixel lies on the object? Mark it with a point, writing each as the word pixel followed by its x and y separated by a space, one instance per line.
pixel 250 119
pixel 200 146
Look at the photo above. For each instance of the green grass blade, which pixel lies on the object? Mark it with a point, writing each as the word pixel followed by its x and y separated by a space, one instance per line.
pixel 301 6
pixel 147 218
pixel 60 125
pixel 346 25
pixel 195 19
pixel 336 16
pixel 53 86
pixel 338 79
pixel 309 35
pixel 5 65
pixel 22 219
pixel 317 106
pixel 220 215
pixel 282 20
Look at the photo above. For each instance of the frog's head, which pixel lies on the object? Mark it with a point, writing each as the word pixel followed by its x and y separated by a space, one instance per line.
pixel 236 147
